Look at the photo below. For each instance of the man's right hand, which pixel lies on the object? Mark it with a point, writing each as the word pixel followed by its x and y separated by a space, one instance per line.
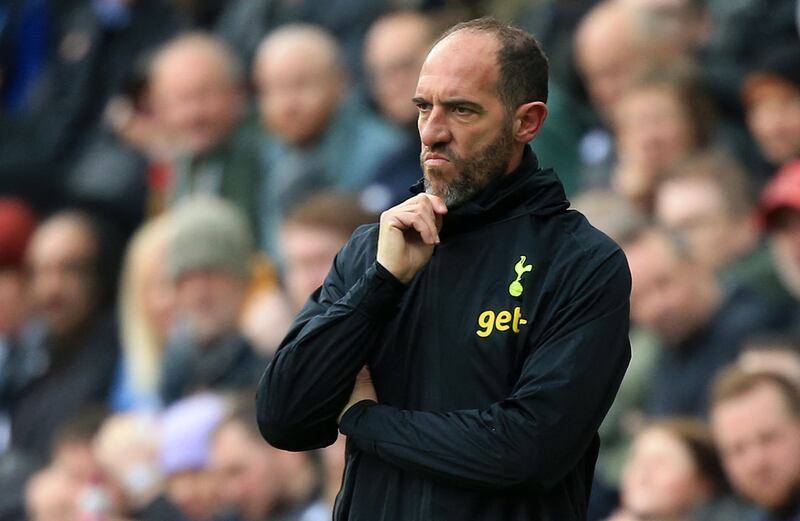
pixel 408 234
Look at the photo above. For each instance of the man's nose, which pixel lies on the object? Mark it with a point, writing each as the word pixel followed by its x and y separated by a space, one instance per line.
pixel 434 128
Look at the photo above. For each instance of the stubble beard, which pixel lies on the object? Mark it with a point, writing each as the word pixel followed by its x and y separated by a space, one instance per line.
pixel 472 174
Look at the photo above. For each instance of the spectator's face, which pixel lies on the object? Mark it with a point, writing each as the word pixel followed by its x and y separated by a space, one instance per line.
pixel 52 496
pixel 785 245
pixel 62 259
pixel 248 470
pixel 694 210
pixel 196 493
pixel 195 98
pixel 607 58
pixel 395 50
pixel 661 480
pixel 464 126
pixel 652 130
pixel 663 292
pixel 157 294
pixel 759 441
pixel 308 253
pixel 210 301
pixel 773 116
pixel 299 88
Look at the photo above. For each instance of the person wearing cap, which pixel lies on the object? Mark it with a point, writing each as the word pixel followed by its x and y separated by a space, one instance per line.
pixel 208 260
pixel 771 96
pixel 780 216
pixel 187 428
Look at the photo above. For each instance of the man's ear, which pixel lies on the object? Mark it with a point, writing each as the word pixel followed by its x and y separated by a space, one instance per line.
pixel 528 119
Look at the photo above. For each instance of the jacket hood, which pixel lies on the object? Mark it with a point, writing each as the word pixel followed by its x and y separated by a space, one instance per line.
pixel 528 189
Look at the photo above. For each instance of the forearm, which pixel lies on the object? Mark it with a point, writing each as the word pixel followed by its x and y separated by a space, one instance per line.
pixel 309 381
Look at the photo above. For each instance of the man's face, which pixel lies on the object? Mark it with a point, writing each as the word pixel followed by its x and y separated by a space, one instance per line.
pixel 661 480
pixel 210 301
pixel 663 292
pixel 785 244
pixel 694 209
pixel 248 472
pixel 395 50
pixel 463 124
pixel 62 258
pixel 759 441
pixel 196 493
pixel 195 99
pixel 652 130
pixel 53 496
pixel 773 116
pixel 308 253
pixel 299 89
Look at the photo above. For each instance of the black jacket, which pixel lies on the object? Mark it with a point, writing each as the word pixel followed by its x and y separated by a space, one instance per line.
pixel 489 402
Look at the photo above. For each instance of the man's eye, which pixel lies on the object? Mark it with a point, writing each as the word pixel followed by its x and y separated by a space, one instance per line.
pixel 423 107
pixel 461 110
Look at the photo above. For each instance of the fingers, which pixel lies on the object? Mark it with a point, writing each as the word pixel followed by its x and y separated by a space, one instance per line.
pixel 421 213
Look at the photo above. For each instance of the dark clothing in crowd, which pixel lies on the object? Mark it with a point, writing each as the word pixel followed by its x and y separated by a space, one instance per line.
pixel 91 52
pixel 47 384
pixel 227 365
pixel 481 415
pixel 684 372
pixel 160 509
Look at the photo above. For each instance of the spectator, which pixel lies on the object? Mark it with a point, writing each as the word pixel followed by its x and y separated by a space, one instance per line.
pixel 673 469
pixel 659 119
pixel 90 48
pixel 706 201
pixel 65 358
pixel 209 254
pixel 185 451
pixel 771 95
pixel 311 235
pixel 394 50
pixel 613 44
pixel 700 327
pixel 198 96
pixel 755 418
pixel 780 213
pixel 127 449
pixel 146 309
pixel 263 483
pixel 320 138
pixel 52 496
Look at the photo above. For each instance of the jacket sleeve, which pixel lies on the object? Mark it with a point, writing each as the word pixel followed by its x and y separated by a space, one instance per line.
pixel 307 384
pixel 537 434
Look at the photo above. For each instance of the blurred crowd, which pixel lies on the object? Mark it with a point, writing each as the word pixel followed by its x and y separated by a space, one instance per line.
pixel 177 176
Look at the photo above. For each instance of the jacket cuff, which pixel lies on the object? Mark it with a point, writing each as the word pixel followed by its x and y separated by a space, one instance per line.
pixel 377 294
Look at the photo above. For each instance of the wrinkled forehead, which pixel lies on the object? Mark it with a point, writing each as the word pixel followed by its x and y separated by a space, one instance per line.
pixel 463 63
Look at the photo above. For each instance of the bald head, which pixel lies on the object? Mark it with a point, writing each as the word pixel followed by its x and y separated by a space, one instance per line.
pixel 394 50
pixel 300 80
pixel 196 85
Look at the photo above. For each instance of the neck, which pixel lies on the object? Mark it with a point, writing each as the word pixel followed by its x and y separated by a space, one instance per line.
pixel 516 159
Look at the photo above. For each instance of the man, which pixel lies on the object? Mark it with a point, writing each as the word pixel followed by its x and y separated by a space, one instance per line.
pixel 771 96
pixel 209 255
pixel 700 326
pixel 755 420
pixel 198 97
pixel 706 201
pixel 493 321
pixel 318 137
pixel 65 358
pixel 263 483
pixel 394 49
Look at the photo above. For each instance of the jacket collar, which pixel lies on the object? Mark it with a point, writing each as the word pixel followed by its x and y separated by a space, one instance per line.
pixel 526 190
